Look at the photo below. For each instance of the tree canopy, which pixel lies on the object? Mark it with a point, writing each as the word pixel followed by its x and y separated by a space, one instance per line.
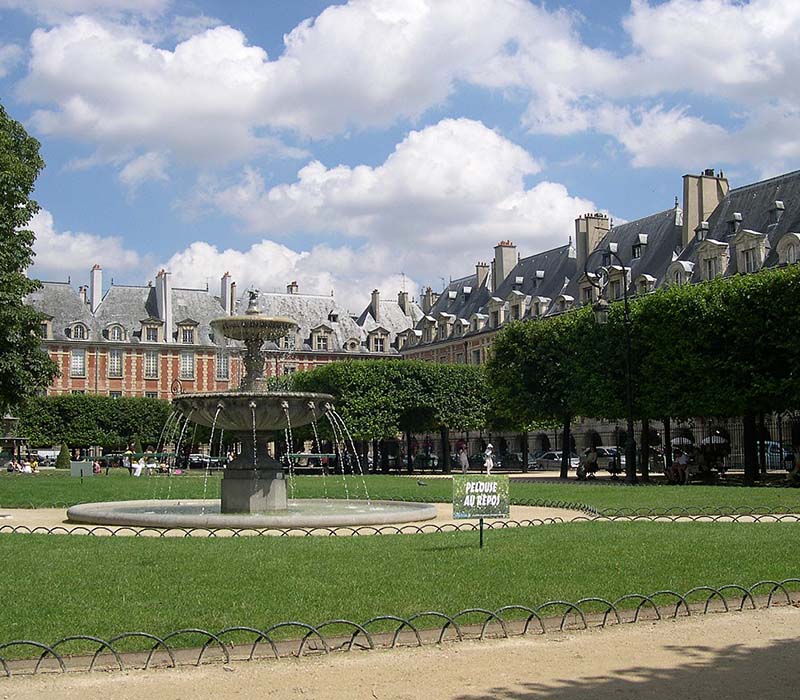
pixel 381 398
pixel 25 367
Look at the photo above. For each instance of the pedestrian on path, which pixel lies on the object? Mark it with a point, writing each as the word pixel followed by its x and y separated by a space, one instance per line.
pixel 463 459
pixel 488 460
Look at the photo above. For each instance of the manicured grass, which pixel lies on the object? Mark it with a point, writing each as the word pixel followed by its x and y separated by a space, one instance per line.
pixel 59 489
pixel 63 585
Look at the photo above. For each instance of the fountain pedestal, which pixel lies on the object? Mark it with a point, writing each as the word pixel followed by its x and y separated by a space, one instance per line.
pixel 253 490
pixel 254 482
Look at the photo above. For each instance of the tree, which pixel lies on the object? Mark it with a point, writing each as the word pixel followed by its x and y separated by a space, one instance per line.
pixel 542 371
pixel 63 461
pixel 87 419
pixel 25 367
pixel 381 398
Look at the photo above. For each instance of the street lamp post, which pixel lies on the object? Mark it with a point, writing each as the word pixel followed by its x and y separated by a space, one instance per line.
pixel 599 280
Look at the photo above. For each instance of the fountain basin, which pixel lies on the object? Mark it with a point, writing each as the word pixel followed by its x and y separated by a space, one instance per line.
pixel 205 513
pixel 236 413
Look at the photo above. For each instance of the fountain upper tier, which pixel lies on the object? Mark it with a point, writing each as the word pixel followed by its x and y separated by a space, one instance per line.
pixel 254 326
pixel 244 410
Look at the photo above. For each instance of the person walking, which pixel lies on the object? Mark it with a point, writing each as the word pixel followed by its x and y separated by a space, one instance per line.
pixel 488 460
pixel 463 459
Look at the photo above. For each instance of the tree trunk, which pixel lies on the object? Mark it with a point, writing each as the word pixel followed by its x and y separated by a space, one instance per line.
pixel 444 433
pixel 750 449
pixel 409 456
pixel 565 449
pixel 762 444
pixel 525 451
pixel 645 443
pixel 384 457
pixel 375 452
pixel 667 446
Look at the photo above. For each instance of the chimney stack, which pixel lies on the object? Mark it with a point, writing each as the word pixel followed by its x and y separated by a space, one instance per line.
pixel 482 272
pixel 505 258
pixel 375 305
pixel 96 287
pixel 291 288
pixel 429 298
pixel 164 302
pixel 589 231
pixel 402 302
pixel 232 309
pixel 225 292
pixel 702 194
pixel 82 290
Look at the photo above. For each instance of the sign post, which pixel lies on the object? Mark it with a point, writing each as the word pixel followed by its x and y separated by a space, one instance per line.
pixel 480 496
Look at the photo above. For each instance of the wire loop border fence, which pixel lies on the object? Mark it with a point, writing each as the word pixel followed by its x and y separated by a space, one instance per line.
pixel 569 616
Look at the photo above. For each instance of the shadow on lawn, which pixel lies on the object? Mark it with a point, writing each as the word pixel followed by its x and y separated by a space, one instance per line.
pixel 732 672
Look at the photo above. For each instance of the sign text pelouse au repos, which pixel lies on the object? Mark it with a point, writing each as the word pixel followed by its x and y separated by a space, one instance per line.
pixel 480 496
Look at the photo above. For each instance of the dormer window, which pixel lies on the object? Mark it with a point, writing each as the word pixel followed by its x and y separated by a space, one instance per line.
pixel 710 268
pixel 286 342
pixel 519 280
pixel 789 249
pixel 321 341
pixel 615 289
pixel 636 251
pixel 43 329
pixel 587 294
pixel 515 314
pixel 701 232
pixel 116 333
pixel 187 336
pixel 79 332
pixel 333 317
pixel 606 259
pixel 379 343
pixel 495 319
pixel 776 212
pixel 751 260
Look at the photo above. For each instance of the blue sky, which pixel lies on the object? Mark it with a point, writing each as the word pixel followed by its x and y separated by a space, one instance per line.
pixel 377 143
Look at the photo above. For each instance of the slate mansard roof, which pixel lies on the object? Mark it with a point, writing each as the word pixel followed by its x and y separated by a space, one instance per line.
pixel 658 237
pixel 128 306
pixel 754 203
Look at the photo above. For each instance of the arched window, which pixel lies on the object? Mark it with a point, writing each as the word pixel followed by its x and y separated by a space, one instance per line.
pixel 791 254
pixel 677 277
pixel 79 332
pixel 116 333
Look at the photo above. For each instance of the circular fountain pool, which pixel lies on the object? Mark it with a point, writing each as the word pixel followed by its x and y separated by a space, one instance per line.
pixel 205 513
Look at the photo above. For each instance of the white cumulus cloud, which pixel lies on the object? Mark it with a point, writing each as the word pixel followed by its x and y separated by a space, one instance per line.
pixel 269 266
pixel 62 253
pixel 445 196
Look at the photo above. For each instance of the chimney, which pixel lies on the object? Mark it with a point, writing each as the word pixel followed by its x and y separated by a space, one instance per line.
pixel 375 305
pixel 482 272
pixel 505 258
pixel 429 298
pixel 164 302
pixel 232 309
pixel 82 293
pixel 702 194
pixel 291 288
pixel 96 287
pixel 402 302
pixel 589 231
pixel 225 292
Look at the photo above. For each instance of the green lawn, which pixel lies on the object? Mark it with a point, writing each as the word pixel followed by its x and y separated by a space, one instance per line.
pixel 62 585
pixel 59 489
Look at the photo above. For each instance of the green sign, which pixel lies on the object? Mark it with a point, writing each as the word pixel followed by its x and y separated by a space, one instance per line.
pixel 480 496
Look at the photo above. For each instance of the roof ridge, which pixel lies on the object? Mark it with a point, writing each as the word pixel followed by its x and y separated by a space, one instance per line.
pixel 545 252
pixel 793 173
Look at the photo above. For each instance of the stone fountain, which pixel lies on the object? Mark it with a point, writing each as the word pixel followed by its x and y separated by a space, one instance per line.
pixel 254 482
pixel 253 486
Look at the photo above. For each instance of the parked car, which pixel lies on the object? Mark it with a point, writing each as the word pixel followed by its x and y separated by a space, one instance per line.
pixel 198 461
pixel 776 455
pixel 608 458
pixel 552 460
